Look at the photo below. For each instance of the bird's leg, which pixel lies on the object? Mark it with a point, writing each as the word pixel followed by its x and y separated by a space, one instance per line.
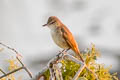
pixel 67 49
pixel 63 52
pixel 60 52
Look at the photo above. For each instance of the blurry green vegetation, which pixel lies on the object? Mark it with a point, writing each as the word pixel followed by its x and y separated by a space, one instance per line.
pixel 69 68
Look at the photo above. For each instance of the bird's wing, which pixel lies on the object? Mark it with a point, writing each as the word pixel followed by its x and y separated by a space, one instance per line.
pixel 67 35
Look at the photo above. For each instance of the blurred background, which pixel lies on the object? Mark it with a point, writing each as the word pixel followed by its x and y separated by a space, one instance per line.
pixel 90 21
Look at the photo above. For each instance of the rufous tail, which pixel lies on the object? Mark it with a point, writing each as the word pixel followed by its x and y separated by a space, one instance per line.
pixel 79 54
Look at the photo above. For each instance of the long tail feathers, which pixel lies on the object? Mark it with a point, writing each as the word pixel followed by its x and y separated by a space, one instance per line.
pixel 80 57
pixel 79 54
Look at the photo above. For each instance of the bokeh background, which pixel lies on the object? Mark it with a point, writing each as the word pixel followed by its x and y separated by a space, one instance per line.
pixel 90 21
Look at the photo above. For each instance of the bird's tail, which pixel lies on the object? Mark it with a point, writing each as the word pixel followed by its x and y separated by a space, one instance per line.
pixel 78 54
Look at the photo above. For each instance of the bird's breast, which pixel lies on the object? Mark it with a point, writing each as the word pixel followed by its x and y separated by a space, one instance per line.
pixel 57 37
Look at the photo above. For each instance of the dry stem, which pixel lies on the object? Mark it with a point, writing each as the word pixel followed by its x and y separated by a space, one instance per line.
pixel 23 66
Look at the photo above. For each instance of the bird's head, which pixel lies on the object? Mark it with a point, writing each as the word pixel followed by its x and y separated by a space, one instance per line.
pixel 52 22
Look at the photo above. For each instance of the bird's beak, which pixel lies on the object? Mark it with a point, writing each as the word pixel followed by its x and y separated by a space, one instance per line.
pixel 44 25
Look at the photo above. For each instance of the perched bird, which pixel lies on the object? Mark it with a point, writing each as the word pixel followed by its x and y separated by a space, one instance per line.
pixel 62 36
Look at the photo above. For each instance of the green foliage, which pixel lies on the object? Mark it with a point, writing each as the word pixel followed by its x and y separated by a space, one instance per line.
pixel 47 75
pixel 69 68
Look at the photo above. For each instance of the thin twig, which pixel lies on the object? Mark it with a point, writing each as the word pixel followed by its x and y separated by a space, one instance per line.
pixel 2 71
pixel 78 72
pixel 80 62
pixel 11 72
pixel 30 74
pixel 20 61
pixel 83 65
pixel 73 59
pixel 58 72
pixel 96 77
pixel 55 72
pixel 11 49
pixel 52 74
pixel 23 66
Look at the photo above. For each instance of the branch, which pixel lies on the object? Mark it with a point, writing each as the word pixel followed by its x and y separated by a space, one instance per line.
pixel 11 72
pixel 23 66
pixel 11 49
pixel 53 62
pixel 53 66
pixel 81 68
pixel 2 71
pixel 78 72
pixel 55 71
pixel 96 77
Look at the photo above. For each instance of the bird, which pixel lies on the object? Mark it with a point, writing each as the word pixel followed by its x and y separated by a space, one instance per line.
pixel 62 36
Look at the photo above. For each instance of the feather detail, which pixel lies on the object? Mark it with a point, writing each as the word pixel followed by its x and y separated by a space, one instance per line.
pixel 67 35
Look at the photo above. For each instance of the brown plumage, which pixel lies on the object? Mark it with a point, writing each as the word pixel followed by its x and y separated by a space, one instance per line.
pixel 62 36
